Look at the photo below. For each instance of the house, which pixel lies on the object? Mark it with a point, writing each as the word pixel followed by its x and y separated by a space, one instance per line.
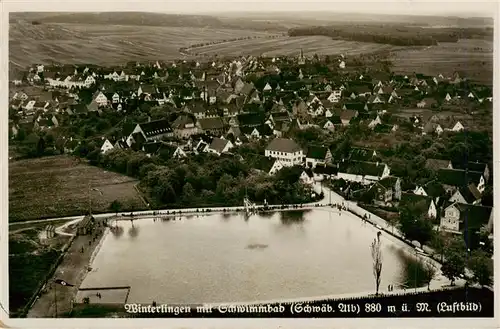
pixel 219 146
pixel 362 154
pixel 335 96
pixel 436 164
pixel 466 194
pixel 307 177
pixel 322 172
pixel 152 148
pixel 458 217
pixel 150 131
pixel 106 146
pixel 285 150
pixel 474 166
pixel 375 122
pixel 386 190
pixel 277 166
pixel 453 179
pixel 184 127
pixel 347 115
pixel 457 127
pixel 362 171
pixel 432 127
pixel 317 155
pixel 429 204
pixel 214 126
pixel 100 98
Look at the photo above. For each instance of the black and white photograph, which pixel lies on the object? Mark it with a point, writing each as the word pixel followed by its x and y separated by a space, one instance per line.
pixel 243 160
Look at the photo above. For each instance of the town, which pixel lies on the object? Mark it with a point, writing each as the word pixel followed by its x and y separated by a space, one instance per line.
pixel 413 149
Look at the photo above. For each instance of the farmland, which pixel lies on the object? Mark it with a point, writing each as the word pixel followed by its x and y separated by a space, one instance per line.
pixel 290 46
pixel 58 186
pixel 472 57
pixel 107 44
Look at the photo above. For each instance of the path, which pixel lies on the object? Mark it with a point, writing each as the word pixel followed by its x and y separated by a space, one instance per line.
pixel 72 269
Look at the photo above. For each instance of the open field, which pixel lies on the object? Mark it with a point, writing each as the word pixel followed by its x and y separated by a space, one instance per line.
pixel 473 57
pixel 290 46
pixel 107 44
pixel 58 186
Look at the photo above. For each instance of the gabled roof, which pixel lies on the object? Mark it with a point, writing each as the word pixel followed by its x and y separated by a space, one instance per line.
pixel 218 144
pixel 411 199
pixel 155 127
pixel 470 193
pixel 362 168
pixel 436 164
pixel 283 145
pixel 152 147
pixel 211 123
pixel 472 216
pixel 348 114
pixel 472 166
pixel 182 121
pixel 317 152
pixel 354 106
pixel 388 182
pixel 434 189
pixel 458 177
pixel 251 119
pixel 326 169
pixel 361 154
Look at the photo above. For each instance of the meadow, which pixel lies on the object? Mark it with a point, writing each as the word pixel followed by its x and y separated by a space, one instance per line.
pixel 472 57
pixel 58 186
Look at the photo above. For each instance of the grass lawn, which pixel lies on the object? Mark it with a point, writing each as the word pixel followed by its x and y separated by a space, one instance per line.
pixel 58 186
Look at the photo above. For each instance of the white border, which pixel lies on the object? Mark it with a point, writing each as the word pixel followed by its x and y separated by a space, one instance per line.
pixel 116 5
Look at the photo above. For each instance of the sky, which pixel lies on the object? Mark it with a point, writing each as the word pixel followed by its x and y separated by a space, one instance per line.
pixel 485 8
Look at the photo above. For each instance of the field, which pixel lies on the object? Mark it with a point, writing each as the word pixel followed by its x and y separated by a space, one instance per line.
pixel 472 57
pixel 107 44
pixel 290 46
pixel 58 186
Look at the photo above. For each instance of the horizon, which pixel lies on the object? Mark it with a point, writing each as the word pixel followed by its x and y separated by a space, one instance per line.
pixel 484 9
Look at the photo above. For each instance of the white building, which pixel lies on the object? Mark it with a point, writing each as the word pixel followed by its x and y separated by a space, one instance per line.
pixel 286 150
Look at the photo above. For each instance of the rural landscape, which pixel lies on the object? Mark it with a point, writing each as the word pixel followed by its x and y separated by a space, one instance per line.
pixel 244 132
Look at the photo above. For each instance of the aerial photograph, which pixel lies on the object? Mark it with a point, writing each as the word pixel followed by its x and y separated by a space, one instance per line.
pixel 250 162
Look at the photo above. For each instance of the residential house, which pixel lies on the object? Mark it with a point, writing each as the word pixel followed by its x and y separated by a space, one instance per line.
pixel 214 126
pixel 362 172
pixel 467 194
pixel 346 116
pixel 100 98
pixel 307 177
pixel 458 217
pixel 474 166
pixel 362 154
pixel 219 146
pixel 286 150
pixel 185 127
pixel 453 179
pixel 386 190
pixel 436 164
pixel 318 155
pixel 429 204
pixel 431 128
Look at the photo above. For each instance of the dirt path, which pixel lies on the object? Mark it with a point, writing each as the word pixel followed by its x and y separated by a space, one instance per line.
pixel 72 269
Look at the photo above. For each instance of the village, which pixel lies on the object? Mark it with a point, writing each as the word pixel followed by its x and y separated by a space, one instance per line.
pixel 275 113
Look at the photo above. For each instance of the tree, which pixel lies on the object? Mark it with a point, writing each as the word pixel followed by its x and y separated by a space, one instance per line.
pixel 188 193
pixel 454 264
pixel 115 206
pixel 430 272
pixel 479 265
pixel 40 146
pixel 413 225
pixel 376 251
